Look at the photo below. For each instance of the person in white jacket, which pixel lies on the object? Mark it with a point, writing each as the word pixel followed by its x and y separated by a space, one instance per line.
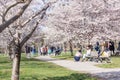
pixel 88 53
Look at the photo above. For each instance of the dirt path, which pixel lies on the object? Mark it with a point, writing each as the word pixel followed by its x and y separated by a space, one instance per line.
pixel 87 67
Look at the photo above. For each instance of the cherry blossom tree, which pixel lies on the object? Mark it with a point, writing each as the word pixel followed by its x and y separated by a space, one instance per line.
pixel 84 20
pixel 80 21
pixel 20 30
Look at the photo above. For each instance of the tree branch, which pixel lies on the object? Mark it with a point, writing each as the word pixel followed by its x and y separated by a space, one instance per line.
pixel 13 5
pixel 32 31
pixel 3 4
pixel 38 13
pixel 29 35
pixel 14 18
pixel 13 41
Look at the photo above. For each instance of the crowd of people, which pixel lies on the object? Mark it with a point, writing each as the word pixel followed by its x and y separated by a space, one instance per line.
pixel 44 50
pixel 50 50
pixel 105 49
pixel 30 50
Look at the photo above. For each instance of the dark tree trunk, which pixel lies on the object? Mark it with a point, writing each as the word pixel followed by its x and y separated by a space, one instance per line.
pixel 71 49
pixel 65 47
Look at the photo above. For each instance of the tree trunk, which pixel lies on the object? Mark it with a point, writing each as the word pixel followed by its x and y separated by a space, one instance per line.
pixel 65 47
pixel 16 65
pixel 71 49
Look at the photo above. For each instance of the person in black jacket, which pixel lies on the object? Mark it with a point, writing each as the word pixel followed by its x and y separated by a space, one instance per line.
pixel 111 47
pixel 97 48
pixel 27 50
pixel 118 46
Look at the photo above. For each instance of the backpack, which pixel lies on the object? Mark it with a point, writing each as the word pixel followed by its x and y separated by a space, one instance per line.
pixel 97 48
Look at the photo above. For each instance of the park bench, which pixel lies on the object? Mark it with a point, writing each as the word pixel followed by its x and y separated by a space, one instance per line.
pixel 95 58
pixel 98 59
pixel 101 59
pixel 91 57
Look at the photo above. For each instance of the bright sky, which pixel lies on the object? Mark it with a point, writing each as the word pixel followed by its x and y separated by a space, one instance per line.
pixel 38 4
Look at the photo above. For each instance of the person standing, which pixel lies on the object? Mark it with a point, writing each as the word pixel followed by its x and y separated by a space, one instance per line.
pixel 97 48
pixel 42 50
pixel 118 46
pixel 33 50
pixel 49 51
pixel 27 50
pixel 111 47
pixel 46 50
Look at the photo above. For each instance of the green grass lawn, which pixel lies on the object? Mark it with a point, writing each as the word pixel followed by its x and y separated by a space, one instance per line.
pixel 66 55
pixel 32 69
pixel 115 63
pixel 63 55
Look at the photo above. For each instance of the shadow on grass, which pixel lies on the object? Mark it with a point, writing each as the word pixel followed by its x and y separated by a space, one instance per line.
pixel 74 76
pixel 24 59
pixel 114 75
pixel 31 59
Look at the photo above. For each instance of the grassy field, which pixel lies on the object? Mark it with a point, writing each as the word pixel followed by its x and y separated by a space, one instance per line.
pixel 66 55
pixel 32 69
pixel 115 63
pixel 115 60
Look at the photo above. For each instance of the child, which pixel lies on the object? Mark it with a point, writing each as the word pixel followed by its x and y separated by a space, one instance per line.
pixel 77 55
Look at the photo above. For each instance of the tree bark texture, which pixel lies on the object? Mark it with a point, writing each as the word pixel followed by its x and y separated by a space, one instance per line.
pixel 16 64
